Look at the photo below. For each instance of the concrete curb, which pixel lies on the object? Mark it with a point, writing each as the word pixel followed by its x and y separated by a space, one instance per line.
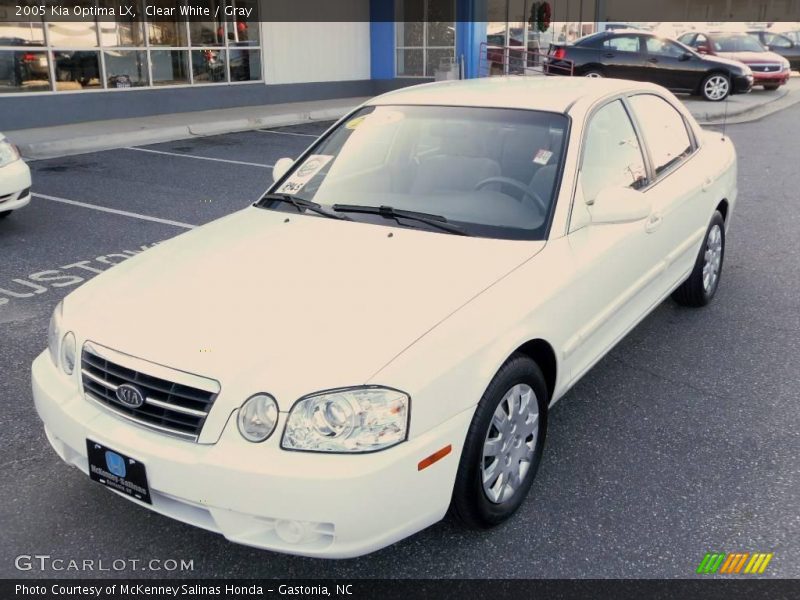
pixel 154 135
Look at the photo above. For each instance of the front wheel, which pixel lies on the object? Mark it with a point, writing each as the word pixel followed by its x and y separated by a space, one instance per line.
pixel 5 214
pixel 503 447
pixel 771 88
pixel 715 87
pixel 699 289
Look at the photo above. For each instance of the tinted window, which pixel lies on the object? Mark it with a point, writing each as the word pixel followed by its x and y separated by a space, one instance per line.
pixel 622 43
pixel 686 38
pixel 778 41
pixel 661 47
pixel 664 131
pixel 612 156
pixel 450 161
pixel 736 42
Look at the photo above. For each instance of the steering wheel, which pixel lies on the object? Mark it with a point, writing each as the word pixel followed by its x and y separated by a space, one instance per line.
pixel 525 189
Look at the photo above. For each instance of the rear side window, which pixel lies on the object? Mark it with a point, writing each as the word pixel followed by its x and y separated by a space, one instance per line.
pixel 622 43
pixel 612 156
pixel 664 131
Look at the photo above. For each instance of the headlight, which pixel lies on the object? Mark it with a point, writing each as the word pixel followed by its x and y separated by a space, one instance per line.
pixel 54 333
pixel 258 417
pixel 8 152
pixel 68 353
pixel 348 420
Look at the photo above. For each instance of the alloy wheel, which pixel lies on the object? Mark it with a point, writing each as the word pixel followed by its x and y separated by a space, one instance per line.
pixel 716 87
pixel 510 443
pixel 712 259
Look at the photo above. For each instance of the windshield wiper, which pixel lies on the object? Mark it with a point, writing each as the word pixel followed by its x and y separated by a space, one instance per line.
pixel 390 212
pixel 301 204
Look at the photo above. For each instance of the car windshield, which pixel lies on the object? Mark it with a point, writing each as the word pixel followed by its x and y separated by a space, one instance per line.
pixel 739 42
pixel 490 172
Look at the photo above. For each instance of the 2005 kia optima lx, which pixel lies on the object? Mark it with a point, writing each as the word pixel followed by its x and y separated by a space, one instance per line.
pixel 379 337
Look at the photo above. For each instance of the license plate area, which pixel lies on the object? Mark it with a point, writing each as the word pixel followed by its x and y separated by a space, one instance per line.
pixel 118 471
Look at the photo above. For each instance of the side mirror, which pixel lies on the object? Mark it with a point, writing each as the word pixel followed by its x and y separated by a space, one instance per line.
pixel 619 205
pixel 686 56
pixel 281 167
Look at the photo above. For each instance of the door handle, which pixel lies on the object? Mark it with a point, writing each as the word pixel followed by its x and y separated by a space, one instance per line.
pixel 652 60
pixel 609 55
pixel 653 222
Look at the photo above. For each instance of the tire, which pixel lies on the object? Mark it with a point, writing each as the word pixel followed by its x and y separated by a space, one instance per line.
pixel 771 88
pixel 697 290
pixel 5 214
pixel 518 379
pixel 715 87
pixel 594 73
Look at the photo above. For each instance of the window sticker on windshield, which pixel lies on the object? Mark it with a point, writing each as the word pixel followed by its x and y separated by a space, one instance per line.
pixel 305 173
pixel 353 123
pixel 542 157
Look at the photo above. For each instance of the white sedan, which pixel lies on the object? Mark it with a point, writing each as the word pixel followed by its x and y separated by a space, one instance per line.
pixel 380 337
pixel 15 179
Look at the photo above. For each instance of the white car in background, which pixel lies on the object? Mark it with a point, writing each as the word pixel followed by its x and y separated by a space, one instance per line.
pixel 381 336
pixel 15 179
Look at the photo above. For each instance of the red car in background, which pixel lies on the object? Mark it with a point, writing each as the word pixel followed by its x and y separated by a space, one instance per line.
pixel 769 69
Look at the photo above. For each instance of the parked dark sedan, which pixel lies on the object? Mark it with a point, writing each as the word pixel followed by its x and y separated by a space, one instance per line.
pixel 780 44
pixel 643 56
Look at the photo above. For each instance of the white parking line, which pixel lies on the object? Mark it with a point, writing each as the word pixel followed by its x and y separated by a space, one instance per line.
pixel 287 133
pixel 115 211
pixel 222 160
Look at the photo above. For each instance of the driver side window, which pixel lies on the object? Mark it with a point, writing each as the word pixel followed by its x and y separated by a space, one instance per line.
pixel 612 155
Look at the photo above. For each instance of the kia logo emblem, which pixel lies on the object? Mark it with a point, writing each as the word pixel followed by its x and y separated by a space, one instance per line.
pixel 130 395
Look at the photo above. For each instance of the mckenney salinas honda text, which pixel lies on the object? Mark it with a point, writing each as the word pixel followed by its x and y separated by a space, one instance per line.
pixel 378 339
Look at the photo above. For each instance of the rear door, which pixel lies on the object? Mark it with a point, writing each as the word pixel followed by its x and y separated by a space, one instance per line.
pixel 621 56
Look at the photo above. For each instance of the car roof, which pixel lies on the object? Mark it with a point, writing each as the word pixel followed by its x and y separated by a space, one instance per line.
pixel 553 94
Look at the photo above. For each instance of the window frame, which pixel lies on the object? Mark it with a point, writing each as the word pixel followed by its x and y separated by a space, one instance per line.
pixel 653 177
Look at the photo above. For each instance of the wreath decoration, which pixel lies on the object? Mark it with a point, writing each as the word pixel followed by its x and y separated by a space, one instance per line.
pixel 541 16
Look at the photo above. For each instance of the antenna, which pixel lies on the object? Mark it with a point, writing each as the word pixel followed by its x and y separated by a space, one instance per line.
pixel 725 116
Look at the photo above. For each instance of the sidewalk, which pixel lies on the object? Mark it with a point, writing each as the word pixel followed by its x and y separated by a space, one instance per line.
pixel 64 140
pixel 50 142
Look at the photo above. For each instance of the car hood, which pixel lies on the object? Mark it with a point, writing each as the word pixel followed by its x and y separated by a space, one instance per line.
pixel 287 303
pixel 752 57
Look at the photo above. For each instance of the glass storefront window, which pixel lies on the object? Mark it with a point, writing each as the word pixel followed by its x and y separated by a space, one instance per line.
pixel 24 71
pixel 245 64
pixel 425 37
pixel 242 31
pixel 170 67
pixel 124 31
pixel 22 34
pixel 77 70
pixel 125 68
pixel 208 33
pixel 130 52
pixel 208 65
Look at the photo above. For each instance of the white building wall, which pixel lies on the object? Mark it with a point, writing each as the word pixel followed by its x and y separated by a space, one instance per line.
pixel 312 52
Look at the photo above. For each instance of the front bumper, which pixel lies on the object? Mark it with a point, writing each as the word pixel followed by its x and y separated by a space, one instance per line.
pixel 343 505
pixel 742 84
pixel 774 78
pixel 15 186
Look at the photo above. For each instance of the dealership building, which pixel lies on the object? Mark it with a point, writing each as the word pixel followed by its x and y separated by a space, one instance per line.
pixel 56 71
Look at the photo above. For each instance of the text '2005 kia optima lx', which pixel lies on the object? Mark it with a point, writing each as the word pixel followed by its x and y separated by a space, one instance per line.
pixel 379 338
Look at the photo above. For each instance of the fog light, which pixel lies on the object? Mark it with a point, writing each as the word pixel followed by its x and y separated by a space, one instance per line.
pixel 294 532
pixel 258 417
pixel 68 353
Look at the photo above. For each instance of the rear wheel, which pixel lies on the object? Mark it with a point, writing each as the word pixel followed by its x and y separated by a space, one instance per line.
pixel 699 289
pixel 594 74
pixel 503 447
pixel 715 87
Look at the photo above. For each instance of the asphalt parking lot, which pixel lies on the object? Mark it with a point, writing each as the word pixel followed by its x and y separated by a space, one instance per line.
pixel 684 440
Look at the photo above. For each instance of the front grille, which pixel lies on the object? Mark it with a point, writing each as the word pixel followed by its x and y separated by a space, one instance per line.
pixel 171 408
pixel 772 68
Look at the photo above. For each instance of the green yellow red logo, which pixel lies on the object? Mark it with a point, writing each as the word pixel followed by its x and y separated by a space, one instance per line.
pixel 743 563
